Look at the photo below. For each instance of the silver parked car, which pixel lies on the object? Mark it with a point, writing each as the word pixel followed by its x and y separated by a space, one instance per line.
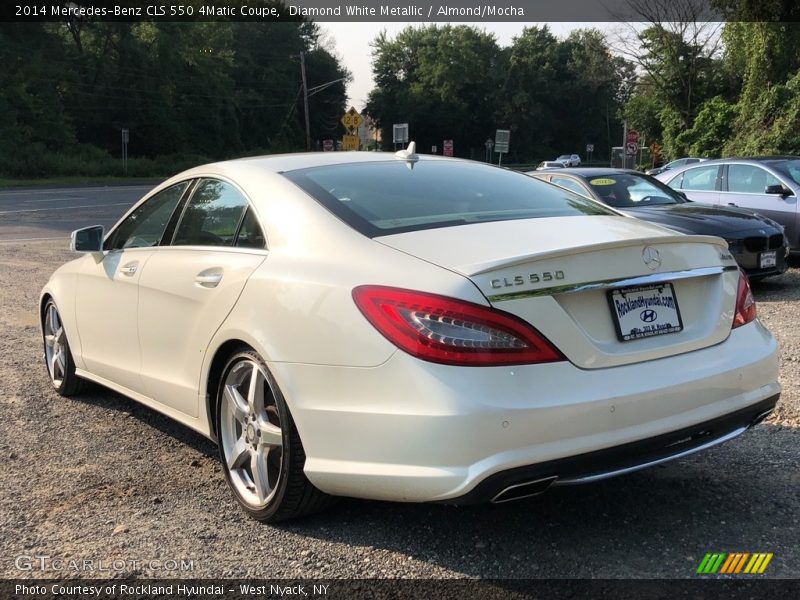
pixel 675 164
pixel 569 160
pixel 767 185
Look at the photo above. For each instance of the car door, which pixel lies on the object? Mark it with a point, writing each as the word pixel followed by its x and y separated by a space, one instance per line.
pixel 700 184
pixel 190 286
pixel 743 185
pixel 107 292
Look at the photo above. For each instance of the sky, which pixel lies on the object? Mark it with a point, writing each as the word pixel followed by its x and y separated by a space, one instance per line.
pixel 352 45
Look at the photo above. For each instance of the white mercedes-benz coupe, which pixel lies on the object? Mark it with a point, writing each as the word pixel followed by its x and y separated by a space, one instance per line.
pixel 409 328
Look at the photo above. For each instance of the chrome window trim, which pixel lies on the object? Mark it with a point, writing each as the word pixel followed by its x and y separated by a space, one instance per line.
pixel 609 284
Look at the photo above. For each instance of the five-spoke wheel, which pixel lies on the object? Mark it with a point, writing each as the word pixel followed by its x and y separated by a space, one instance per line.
pixel 260 448
pixel 57 356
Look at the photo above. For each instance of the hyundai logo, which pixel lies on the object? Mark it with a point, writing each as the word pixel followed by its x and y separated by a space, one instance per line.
pixel 648 315
pixel 651 258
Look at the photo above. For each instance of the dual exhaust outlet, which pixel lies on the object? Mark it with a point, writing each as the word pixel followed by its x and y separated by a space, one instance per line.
pixel 534 487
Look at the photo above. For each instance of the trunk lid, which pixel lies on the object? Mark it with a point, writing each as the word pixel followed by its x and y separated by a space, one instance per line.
pixel 559 274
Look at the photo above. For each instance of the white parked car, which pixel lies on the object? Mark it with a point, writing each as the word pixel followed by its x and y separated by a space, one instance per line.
pixel 569 160
pixel 549 164
pixel 409 328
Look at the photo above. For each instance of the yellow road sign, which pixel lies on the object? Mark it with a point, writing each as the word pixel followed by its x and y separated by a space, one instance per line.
pixel 352 120
pixel 349 142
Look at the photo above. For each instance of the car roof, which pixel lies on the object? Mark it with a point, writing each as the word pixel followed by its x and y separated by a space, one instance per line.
pixel 595 171
pixel 763 159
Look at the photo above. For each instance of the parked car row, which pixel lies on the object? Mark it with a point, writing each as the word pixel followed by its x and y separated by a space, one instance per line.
pixel 766 185
pixel 758 243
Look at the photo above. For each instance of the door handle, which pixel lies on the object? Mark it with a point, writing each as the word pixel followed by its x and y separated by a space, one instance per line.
pixel 129 269
pixel 209 278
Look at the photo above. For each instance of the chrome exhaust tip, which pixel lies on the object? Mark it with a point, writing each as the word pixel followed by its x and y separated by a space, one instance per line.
pixel 761 417
pixel 524 490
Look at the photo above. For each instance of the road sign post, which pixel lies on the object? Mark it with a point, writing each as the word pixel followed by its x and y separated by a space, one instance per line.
pixel 589 151
pixel 350 142
pixel 502 138
pixel 448 148
pixel 352 120
pixel 488 144
pixel 125 140
pixel 399 134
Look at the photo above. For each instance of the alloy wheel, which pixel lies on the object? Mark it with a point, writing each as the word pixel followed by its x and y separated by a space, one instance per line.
pixel 251 434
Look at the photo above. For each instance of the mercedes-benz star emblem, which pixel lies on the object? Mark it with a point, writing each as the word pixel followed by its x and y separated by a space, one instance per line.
pixel 651 258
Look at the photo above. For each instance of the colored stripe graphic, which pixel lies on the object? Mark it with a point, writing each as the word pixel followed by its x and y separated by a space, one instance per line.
pixel 728 564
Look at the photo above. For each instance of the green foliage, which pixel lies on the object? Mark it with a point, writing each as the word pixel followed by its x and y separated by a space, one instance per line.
pixel 456 83
pixel 711 130
pixel 194 89
pixel 756 110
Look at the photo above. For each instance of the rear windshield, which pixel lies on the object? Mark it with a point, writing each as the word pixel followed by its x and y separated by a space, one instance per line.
pixel 382 198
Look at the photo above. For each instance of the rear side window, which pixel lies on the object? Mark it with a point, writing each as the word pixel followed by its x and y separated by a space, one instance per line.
pixel 212 216
pixel 250 233
pixel 382 198
pixel 699 179
pixel 749 179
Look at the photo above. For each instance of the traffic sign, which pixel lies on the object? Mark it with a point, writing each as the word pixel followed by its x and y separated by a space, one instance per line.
pixel 632 137
pixel 434 149
pixel 400 133
pixel 589 147
pixel 352 120
pixel 349 142
pixel 502 138
pixel 631 148
pixel 655 149
pixel 489 144
pixel 448 147
pixel 327 145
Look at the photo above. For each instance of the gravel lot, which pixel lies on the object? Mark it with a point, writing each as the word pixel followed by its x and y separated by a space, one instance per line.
pixel 101 477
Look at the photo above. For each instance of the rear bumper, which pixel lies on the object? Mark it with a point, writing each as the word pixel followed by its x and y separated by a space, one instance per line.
pixel 409 430
pixel 619 460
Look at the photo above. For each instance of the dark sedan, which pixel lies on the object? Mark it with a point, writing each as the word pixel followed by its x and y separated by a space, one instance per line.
pixel 758 243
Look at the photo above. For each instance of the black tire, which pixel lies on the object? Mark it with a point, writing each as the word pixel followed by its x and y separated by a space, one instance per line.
pixel 64 380
pixel 293 495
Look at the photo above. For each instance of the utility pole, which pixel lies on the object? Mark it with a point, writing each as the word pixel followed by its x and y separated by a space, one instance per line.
pixel 305 99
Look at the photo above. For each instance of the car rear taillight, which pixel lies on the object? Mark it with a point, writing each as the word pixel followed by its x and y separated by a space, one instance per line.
pixel 449 331
pixel 745 303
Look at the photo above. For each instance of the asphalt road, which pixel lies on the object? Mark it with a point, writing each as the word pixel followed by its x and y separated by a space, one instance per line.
pixel 41 214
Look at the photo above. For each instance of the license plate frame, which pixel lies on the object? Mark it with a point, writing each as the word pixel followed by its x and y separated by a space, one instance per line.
pixel 768 259
pixel 648 298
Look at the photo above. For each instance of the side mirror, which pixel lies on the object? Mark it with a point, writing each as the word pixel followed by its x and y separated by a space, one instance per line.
pixel 88 239
pixel 778 190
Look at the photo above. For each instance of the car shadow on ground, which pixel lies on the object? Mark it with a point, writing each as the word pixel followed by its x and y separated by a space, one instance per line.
pixel 99 396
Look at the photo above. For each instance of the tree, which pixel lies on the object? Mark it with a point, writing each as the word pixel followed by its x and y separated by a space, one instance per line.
pixel 443 80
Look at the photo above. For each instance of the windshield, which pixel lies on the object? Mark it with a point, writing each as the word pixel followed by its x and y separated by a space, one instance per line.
pixel 789 168
pixel 382 198
pixel 628 190
pixel 564 157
